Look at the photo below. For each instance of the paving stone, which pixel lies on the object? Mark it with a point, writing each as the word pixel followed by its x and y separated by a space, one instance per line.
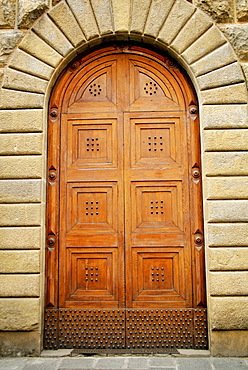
pixel 42 364
pixel 77 363
pixel 12 363
pixel 138 363
pixel 193 364
pixel 160 362
pixel 229 363
pixel 111 363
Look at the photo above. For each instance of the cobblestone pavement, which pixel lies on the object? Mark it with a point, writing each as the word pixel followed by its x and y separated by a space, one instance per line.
pixel 188 361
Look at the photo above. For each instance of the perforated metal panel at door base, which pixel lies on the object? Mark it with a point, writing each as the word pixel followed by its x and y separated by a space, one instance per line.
pixel 125 329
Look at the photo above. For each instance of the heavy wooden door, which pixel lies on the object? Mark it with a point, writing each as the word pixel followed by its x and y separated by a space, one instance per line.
pixel 125 260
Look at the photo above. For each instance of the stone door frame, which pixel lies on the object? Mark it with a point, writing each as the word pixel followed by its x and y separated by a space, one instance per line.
pixel 197 44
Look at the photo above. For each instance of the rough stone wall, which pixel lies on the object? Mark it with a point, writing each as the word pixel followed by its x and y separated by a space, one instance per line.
pixel 219 81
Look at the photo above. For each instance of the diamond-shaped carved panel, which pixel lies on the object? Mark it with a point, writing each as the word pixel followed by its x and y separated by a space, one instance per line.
pixel 91 207
pixel 91 143
pixel 93 274
pixel 155 141
pixel 158 276
pixel 158 207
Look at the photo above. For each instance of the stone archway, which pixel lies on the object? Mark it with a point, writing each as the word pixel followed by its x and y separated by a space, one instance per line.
pixel 197 44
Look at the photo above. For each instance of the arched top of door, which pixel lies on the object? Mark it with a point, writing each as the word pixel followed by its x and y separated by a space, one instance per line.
pixel 155 80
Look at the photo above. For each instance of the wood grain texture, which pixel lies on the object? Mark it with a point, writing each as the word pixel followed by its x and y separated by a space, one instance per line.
pixel 124 213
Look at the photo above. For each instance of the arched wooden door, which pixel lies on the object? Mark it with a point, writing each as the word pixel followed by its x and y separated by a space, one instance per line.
pixel 125 256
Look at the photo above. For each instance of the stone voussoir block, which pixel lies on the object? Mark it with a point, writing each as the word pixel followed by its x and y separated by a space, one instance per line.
pixel 229 313
pixel 227 234
pixel 121 15
pixel 231 94
pixel 38 48
pixel 159 10
pixel 139 13
pixel 65 20
pixel 224 116
pixel 218 58
pixel 227 211
pixel 18 144
pixel 20 285
pixel 177 18
pixel 226 164
pixel 20 215
pixel 226 140
pixel 14 99
pixel 207 42
pixel 226 187
pixel 20 238
pixel 192 31
pixel 22 167
pixel 103 14
pixel 20 191
pixel 221 77
pixel 221 259
pixel 19 314
pixel 51 34
pixel 22 81
pixel 26 120
pixel 233 283
pixel 13 262
pixel 83 13
pixel 28 64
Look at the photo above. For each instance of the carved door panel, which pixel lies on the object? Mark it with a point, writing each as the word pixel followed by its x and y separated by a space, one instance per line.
pixel 124 215
pixel 157 231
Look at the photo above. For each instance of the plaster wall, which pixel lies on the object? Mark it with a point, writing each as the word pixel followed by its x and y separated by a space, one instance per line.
pixel 38 39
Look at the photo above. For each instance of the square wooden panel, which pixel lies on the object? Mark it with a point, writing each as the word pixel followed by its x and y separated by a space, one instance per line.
pixel 158 207
pixel 91 143
pixel 155 141
pixel 91 207
pixel 158 275
pixel 92 274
